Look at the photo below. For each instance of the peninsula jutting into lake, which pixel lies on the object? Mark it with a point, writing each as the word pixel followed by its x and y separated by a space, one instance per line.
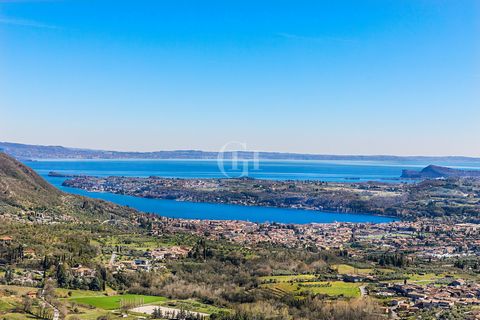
pixel 434 172
pixel 400 200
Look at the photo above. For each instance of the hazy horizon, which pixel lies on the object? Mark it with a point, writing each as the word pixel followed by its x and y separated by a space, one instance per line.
pixel 240 150
pixel 347 78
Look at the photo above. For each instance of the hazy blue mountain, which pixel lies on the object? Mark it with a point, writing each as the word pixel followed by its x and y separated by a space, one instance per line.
pixel 25 151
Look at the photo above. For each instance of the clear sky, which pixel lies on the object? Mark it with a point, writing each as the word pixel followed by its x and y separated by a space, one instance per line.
pixel 344 77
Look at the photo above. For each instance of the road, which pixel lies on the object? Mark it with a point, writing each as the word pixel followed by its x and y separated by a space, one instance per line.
pixel 363 290
pixel 112 259
pixel 56 313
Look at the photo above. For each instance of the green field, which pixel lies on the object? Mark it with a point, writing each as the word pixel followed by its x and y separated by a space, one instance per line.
pixel 333 288
pixel 89 314
pixel 114 302
pixel 291 278
pixel 18 290
pixel 347 269
pixel 191 305
pixel 4 305
pixel 70 293
pixel 17 316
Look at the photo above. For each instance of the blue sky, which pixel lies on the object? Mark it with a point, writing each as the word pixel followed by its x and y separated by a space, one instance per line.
pixel 345 77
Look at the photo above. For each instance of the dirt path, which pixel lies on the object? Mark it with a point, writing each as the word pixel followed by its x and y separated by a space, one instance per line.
pixel 150 309
pixel 56 313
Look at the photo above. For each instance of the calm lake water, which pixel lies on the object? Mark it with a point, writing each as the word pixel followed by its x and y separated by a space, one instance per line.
pixel 339 171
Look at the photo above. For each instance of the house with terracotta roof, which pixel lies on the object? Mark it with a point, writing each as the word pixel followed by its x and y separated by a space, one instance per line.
pixel 6 240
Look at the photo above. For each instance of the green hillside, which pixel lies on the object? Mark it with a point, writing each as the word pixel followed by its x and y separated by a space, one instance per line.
pixel 24 195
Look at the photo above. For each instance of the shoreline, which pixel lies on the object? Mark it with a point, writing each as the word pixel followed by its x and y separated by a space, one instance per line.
pixel 396 218
pixel 219 206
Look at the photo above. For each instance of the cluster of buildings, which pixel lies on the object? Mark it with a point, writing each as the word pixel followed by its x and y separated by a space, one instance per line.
pixel 424 239
pixel 409 298
pixel 327 236
pixel 147 260
pixel 168 253
pixel 32 216
pixel 427 238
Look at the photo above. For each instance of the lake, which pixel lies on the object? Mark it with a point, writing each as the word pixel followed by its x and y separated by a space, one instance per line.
pixel 338 171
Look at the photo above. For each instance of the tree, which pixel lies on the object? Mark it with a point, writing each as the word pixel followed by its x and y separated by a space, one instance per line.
pixel 103 274
pixel 48 290
pixel 157 313
pixel 96 284
pixel 8 275
pixel 63 276
pixel 27 304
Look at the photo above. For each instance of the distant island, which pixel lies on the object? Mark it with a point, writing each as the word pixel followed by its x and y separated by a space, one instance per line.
pixel 33 152
pixel 433 172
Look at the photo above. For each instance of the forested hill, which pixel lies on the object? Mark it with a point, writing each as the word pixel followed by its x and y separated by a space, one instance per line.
pixel 24 195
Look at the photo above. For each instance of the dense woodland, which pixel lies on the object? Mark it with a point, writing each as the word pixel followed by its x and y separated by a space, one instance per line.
pixel 216 273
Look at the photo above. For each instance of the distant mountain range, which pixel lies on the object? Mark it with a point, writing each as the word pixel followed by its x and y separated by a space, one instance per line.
pixel 32 152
